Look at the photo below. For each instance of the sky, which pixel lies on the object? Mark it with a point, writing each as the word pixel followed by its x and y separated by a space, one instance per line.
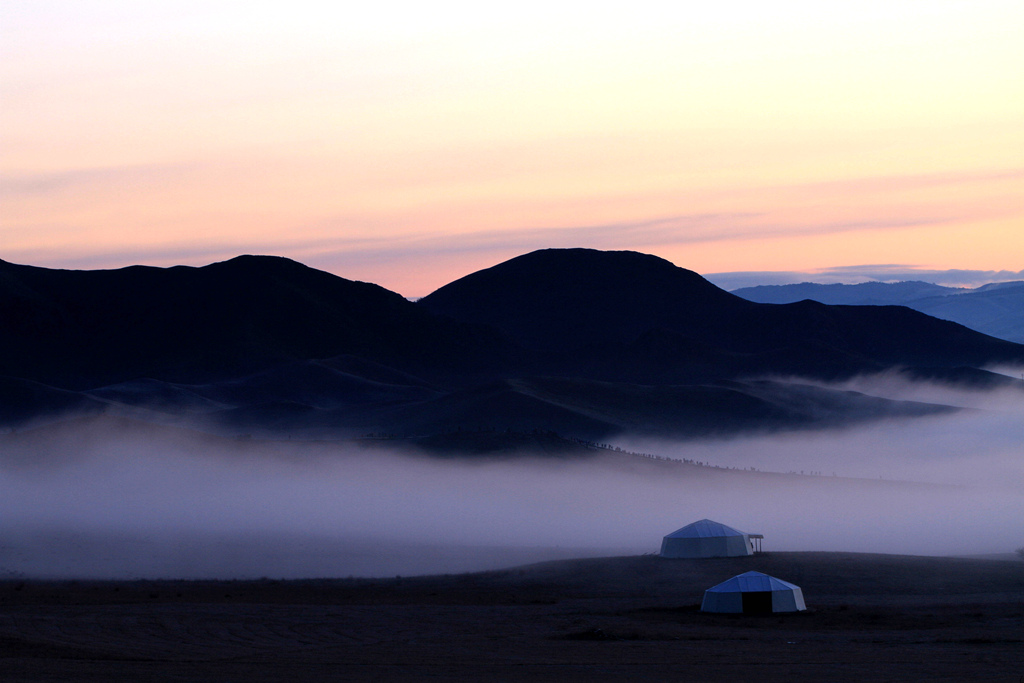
pixel 409 144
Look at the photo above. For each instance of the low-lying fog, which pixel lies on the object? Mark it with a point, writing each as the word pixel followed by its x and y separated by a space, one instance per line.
pixel 982 445
pixel 106 498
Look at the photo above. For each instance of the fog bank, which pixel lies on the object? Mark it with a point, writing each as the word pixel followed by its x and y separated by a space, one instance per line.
pixel 108 498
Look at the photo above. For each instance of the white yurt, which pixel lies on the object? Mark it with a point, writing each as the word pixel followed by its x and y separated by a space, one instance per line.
pixel 707 539
pixel 753 593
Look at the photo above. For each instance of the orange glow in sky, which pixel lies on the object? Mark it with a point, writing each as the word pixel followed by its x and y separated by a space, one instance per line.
pixel 409 144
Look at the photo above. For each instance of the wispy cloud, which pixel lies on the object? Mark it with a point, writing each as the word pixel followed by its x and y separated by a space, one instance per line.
pixel 911 181
pixel 21 185
pixel 348 246
pixel 365 250
pixel 639 235
pixel 346 254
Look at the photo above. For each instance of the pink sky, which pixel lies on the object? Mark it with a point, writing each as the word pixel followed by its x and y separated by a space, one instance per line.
pixel 410 144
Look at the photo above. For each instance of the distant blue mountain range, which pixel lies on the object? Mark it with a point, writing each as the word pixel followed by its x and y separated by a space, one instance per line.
pixel 996 309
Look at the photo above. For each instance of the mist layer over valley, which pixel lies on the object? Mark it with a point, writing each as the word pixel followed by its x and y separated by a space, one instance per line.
pixel 107 497
pixel 260 418
pixel 981 444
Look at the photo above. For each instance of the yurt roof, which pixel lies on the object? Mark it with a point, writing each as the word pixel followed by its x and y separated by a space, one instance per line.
pixel 752 582
pixel 705 528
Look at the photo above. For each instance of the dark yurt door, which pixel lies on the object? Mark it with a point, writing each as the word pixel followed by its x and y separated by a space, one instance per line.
pixel 757 602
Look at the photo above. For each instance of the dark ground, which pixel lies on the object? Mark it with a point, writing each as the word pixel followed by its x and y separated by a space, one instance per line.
pixel 870 618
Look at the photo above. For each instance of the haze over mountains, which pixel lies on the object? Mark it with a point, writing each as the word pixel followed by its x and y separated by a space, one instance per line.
pixel 584 343
pixel 997 309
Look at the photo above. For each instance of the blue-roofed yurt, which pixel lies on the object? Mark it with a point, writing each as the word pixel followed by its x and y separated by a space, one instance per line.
pixel 753 593
pixel 706 539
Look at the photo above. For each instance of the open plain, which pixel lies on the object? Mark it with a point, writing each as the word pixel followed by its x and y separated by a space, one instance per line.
pixel 870 618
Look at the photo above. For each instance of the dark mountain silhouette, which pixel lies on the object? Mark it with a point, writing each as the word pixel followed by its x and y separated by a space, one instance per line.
pixel 566 299
pixel 995 309
pixel 82 329
pixel 585 343
pixel 581 301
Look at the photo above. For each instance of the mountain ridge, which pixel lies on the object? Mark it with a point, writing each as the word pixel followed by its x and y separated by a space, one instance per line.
pixel 221 320
pixel 580 342
pixel 616 297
